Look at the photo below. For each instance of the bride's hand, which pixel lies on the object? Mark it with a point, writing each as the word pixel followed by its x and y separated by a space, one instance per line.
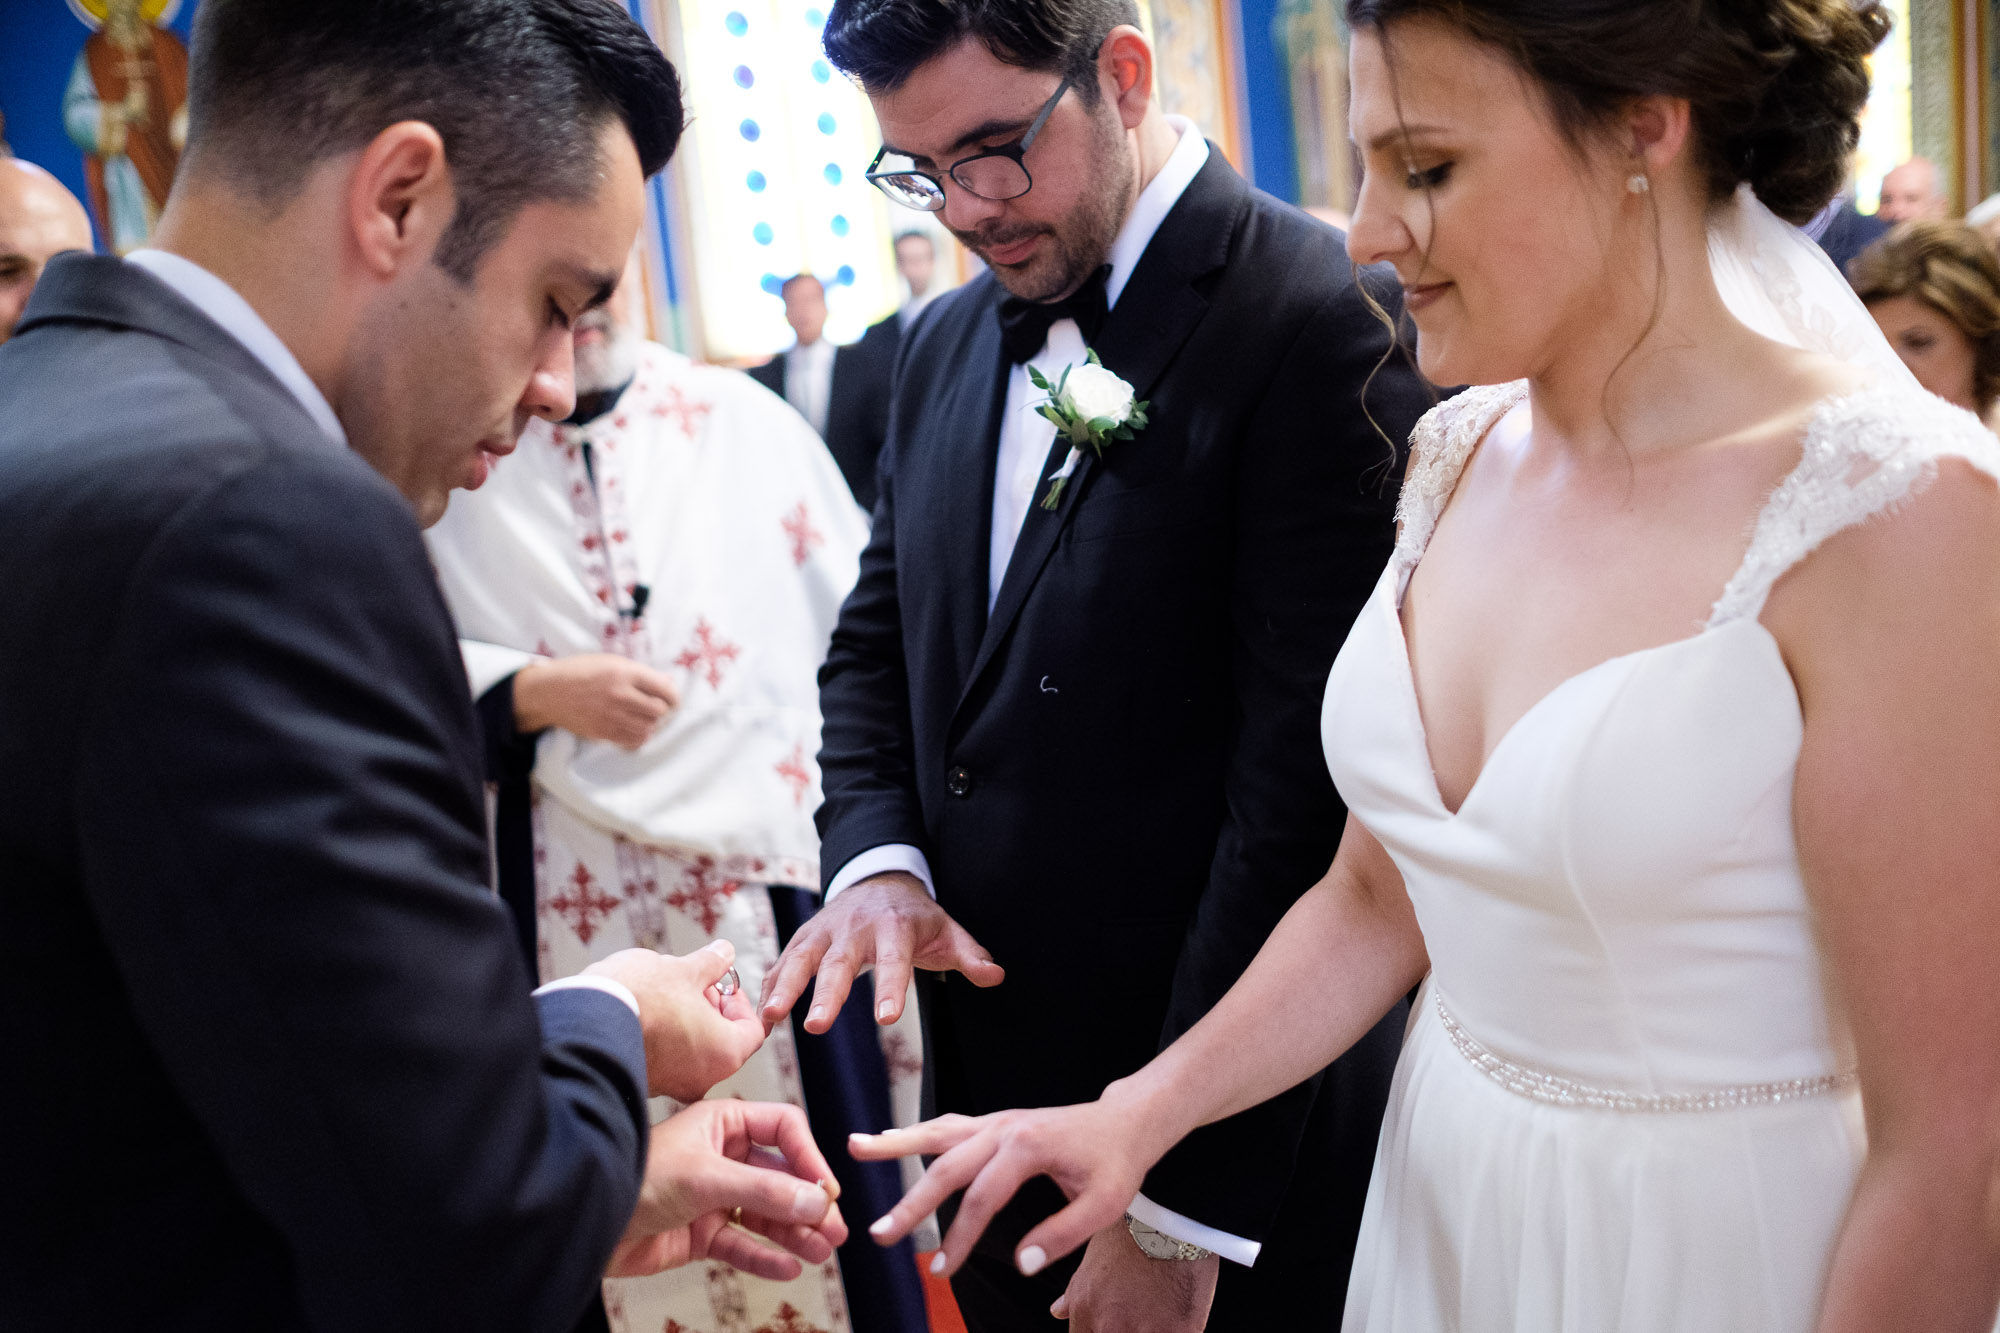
pixel 1098 1153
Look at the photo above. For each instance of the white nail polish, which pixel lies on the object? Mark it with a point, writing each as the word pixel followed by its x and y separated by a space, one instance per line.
pixel 881 1225
pixel 937 1264
pixel 1032 1260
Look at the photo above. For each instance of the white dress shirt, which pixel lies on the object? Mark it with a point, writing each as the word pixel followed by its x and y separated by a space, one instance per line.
pixel 1025 441
pixel 220 302
pixel 809 381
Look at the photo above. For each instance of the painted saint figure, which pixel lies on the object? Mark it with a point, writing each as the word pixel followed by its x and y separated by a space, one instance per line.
pixel 126 110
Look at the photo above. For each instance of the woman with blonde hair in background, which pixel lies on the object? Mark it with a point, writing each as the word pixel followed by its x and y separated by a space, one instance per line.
pixel 1934 287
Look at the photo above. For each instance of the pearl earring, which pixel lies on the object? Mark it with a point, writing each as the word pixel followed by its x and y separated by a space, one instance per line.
pixel 1638 184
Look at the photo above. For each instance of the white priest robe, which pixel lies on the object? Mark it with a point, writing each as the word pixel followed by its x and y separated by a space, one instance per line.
pixel 706 532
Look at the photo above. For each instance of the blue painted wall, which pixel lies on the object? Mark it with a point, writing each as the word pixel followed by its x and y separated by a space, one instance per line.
pixel 39 40
pixel 1267 93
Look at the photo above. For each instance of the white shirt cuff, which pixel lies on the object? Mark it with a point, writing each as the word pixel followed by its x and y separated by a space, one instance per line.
pixel 1188 1231
pixel 487 664
pixel 609 987
pixel 880 861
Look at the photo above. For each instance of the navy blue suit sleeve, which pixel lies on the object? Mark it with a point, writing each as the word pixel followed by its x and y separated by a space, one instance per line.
pixel 1316 490
pixel 282 842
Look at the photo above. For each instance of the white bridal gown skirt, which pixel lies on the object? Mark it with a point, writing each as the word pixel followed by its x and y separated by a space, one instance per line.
pixel 1491 1212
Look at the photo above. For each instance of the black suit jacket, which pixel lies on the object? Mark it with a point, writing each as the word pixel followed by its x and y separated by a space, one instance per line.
pixel 857 408
pixel 1116 775
pixel 271 1057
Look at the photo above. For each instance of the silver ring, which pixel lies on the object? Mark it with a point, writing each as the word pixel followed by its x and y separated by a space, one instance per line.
pixel 729 985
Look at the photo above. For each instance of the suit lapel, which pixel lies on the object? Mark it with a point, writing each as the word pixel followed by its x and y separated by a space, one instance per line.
pixel 1154 317
pixel 967 422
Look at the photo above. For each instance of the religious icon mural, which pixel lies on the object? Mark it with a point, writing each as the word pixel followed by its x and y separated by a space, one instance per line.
pixel 126 111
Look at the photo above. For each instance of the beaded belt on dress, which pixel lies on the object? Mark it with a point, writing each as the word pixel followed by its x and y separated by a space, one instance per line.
pixel 1558 1091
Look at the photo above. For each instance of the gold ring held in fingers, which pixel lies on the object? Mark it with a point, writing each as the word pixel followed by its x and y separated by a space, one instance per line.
pixel 736 1216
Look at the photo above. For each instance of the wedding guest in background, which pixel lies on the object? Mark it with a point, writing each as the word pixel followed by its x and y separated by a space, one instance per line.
pixel 654 747
pixel 39 219
pixel 1934 287
pixel 1912 191
pixel 1075 724
pixel 916 264
pixel 1985 219
pixel 1843 231
pixel 829 385
pixel 272 1060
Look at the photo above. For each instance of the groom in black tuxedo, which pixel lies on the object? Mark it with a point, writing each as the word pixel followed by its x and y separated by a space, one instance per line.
pixel 1082 733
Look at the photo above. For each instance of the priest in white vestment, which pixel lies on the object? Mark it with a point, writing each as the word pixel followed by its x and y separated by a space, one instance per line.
pixel 644 596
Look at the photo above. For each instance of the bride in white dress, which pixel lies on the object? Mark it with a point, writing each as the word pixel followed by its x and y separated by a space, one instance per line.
pixel 1671 737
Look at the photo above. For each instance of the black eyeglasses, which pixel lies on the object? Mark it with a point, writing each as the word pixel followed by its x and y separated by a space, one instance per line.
pixel 997 173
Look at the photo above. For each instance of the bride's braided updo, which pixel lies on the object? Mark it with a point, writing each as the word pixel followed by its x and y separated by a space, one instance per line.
pixel 1776 86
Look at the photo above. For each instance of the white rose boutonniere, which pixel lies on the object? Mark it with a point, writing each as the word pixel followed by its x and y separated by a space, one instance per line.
pixel 1090 407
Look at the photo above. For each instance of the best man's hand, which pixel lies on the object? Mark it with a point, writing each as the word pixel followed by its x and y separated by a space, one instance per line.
pixel 1117 1289
pixel 695 1036
pixel 888 922
pixel 598 696
pixel 722 1155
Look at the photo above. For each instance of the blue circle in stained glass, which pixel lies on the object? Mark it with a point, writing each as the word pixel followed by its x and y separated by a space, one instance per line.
pixel 762 233
pixel 744 78
pixel 736 23
pixel 820 71
pixel 750 130
pixel 816 17
pixel 773 284
pixel 826 122
pixel 755 180
pixel 845 277
pixel 833 174
pixel 840 227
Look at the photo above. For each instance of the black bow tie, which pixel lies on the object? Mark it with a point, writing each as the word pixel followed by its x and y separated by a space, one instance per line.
pixel 1024 325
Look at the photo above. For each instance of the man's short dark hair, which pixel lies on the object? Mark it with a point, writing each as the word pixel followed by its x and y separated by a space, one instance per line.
pixel 519 91
pixel 881 42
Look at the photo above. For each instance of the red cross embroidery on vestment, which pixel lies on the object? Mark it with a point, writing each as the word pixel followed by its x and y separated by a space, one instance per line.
pixel 789 1320
pixel 794 771
pixel 581 903
pixel 798 526
pixel 677 404
pixel 708 654
pixel 701 892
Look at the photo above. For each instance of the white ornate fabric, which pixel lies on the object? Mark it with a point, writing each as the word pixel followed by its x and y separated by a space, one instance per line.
pixel 1625 1100
pixel 719 499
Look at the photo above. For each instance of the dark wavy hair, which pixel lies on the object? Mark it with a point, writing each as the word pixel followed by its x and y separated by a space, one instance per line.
pixel 517 89
pixel 1776 87
pixel 1950 268
pixel 881 42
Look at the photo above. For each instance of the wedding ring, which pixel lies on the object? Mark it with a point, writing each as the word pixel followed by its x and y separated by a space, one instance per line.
pixel 736 1216
pixel 729 985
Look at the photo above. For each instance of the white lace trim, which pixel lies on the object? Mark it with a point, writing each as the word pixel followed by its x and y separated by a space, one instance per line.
pixel 1439 446
pixel 1864 453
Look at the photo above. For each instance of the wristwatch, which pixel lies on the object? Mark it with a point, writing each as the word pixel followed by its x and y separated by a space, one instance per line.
pixel 1156 1244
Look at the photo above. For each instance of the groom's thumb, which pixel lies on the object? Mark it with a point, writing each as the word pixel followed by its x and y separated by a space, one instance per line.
pixel 712 961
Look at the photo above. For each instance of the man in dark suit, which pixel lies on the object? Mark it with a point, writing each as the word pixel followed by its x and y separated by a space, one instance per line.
pixel 1086 720
pixel 272 1058
pixel 837 389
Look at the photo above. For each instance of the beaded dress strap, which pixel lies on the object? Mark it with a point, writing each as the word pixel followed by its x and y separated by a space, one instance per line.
pixel 1439 447
pixel 1864 453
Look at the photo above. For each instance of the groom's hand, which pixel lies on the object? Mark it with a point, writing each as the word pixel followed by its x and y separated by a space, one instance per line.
pixel 723 1177
pixel 695 1036
pixel 887 922
pixel 1117 1289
